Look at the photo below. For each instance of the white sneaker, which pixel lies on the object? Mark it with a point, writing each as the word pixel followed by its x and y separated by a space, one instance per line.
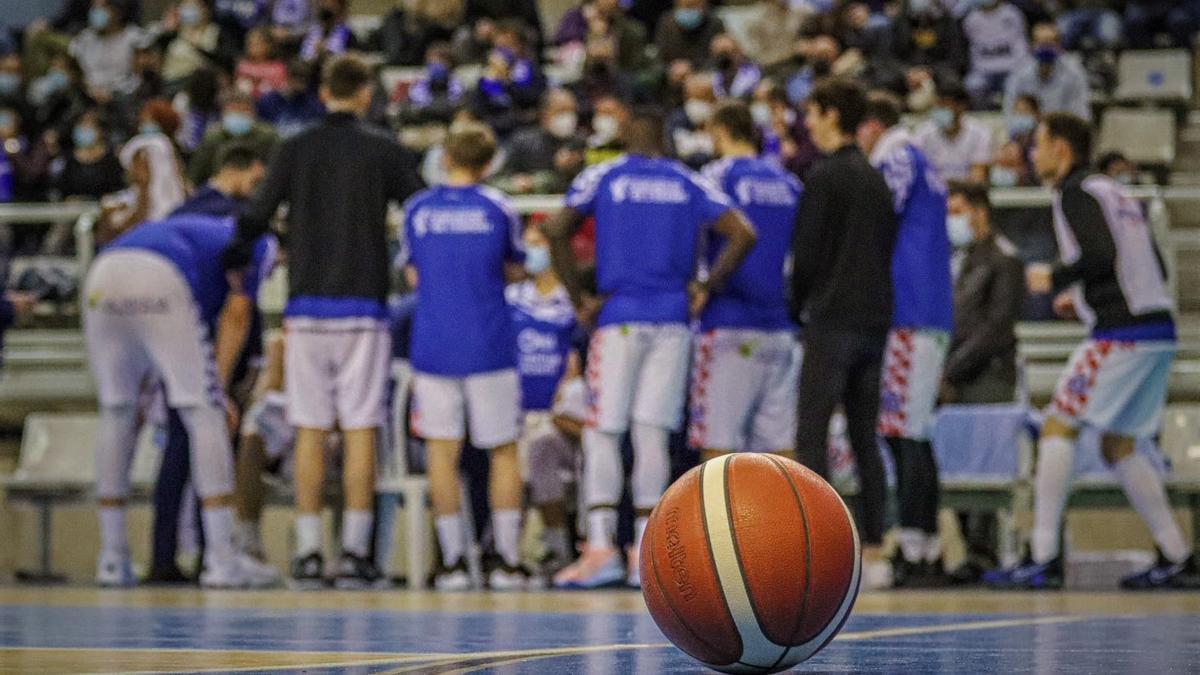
pixel 240 572
pixel 115 570
pixel 877 575
pixel 454 579
pixel 505 578
pixel 258 573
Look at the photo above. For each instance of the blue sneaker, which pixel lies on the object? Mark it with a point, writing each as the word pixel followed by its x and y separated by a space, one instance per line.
pixel 596 568
pixel 1165 575
pixel 1028 575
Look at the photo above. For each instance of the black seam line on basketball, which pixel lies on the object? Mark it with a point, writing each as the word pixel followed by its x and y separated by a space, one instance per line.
pixel 857 583
pixel 807 540
pixel 651 528
pixel 737 555
pixel 713 558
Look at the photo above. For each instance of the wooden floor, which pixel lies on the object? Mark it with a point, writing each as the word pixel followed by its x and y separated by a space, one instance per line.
pixel 83 630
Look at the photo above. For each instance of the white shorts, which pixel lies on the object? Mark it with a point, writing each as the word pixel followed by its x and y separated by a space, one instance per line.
pixel 637 371
pixel 1116 387
pixel 336 374
pixel 141 321
pixel 912 371
pixel 490 403
pixel 744 390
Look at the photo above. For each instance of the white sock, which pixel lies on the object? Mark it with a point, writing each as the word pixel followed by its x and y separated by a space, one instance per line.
pixel 218 535
pixel 602 528
pixel 555 540
pixel 308 534
pixel 247 537
pixel 639 530
pixel 113 536
pixel 912 544
pixel 356 532
pixel 1051 483
pixel 450 538
pixel 506 531
pixel 933 547
pixel 1144 488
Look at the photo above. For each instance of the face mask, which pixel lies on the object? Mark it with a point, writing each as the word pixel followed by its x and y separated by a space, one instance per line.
pixel 1124 179
pixel 919 6
pixel 7 121
pixel 563 125
pixel 958 228
pixel 326 15
pixel 56 80
pixel 236 124
pixel 98 18
pixel 83 137
pixel 688 18
pixel 1020 124
pixel 698 112
pixel 189 15
pixel 9 83
pixel 438 72
pixel 149 128
pixel 537 259
pixel 943 118
pixel 606 128
pixel 1001 176
pixel 1046 55
pixel 761 112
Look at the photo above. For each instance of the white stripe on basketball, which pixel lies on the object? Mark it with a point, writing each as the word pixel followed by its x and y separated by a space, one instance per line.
pixel 757 650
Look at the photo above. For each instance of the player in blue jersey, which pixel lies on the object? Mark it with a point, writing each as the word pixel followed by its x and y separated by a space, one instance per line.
pixel 159 304
pixel 920 335
pixel 746 363
pixel 548 365
pixel 650 212
pixel 459 239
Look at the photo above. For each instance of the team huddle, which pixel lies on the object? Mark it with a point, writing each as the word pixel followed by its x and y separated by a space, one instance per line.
pixel 734 299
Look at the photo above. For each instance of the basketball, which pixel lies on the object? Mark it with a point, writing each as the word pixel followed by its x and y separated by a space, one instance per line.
pixel 750 563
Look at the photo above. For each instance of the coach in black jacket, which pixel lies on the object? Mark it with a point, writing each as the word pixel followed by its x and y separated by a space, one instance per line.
pixel 842 295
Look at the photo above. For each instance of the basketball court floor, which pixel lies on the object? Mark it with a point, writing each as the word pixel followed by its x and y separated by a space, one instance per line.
pixel 83 630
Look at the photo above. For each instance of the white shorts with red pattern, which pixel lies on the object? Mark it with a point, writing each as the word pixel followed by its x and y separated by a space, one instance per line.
pixel 912 370
pixel 1117 387
pixel 638 372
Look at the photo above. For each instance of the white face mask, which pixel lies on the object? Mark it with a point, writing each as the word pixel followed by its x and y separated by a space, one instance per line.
pixel 698 112
pixel 761 112
pixel 606 128
pixel 563 125
pixel 958 227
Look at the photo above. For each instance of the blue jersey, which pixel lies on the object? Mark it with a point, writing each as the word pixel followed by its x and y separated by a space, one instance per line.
pixel 193 244
pixel 545 329
pixel 923 291
pixel 768 196
pixel 458 239
pixel 649 214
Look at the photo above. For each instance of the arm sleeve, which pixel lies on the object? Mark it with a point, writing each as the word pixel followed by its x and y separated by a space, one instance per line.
pixel 807 236
pixel 256 219
pixel 1097 250
pixel 990 337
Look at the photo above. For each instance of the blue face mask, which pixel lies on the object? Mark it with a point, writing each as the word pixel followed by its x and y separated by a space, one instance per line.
pixel 537 259
pixel 236 124
pixel 189 15
pixel 688 18
pixel 1020 124
pixel 943 118
pixel 1001 176
pixel 149 128
pixel 98 18
pixel 9 83
pixel 83 137
pixel 1046 55
pixel 56 80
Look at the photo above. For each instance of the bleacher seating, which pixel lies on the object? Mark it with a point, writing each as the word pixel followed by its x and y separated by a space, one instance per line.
pixel 1145 136
pixel 1163 75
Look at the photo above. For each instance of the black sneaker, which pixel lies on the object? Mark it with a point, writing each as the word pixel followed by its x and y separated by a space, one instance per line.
pixel 357 573
pixel 308 573
pixel 454 578
pixel 903 571
pixel 168 576
pixel 1165 575
pixel 1028 576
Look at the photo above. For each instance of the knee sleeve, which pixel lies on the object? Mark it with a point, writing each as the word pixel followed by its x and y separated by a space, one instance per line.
pixel 212 456
pixel 116 442
pixel 651 464
pixel 546 469
pixel 602 475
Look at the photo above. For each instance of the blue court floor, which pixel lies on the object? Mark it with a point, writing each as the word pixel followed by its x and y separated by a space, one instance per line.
pixel 69 630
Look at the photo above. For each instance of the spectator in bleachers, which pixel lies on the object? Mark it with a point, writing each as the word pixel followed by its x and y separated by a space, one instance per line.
pixel 958 146
pixel 414 25
pixel 435 97
pixel 290 21
pixel 981 366
pixel 27 158
pixel 478 13
pixel 735 76
pixel 58 96
pixel 238 125
pixel 608 118
pixel 147 70
pixel 1054 77
pixel 771 35
pixel 1011 166
pixel 605 18
pixel 91 169
pixel 510 84
pixel 191 40
pixel 260 71
pixel 296 106
pixel 785 135
pixel 995 32
pixel 198 106
pixel 868 43
pixel 928 35
pixel 1091 24
pixel 73 15
pixel 544 159
pixel 105 49
pixel 821 54
pixel 329 34
pixel 1146 19
pixel 687 136
pixel 12 85
pixel 602 76
pixel 1117 167
pixel 921 89
pixel 686 33
pixel 237 18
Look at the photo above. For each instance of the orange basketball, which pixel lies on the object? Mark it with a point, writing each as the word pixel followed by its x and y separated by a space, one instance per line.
pixel 750 563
